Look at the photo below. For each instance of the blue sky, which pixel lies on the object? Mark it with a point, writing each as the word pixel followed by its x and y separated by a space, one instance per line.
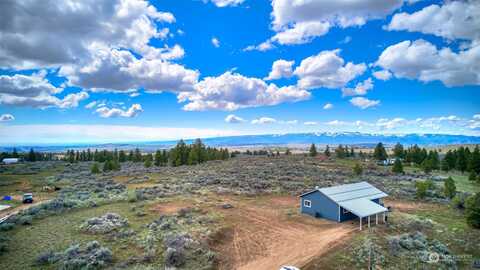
pixel 88 72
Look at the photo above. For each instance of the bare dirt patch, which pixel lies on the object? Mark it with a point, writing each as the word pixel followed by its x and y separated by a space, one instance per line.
pixel 168 208
pixel 266 233
pixel 409 206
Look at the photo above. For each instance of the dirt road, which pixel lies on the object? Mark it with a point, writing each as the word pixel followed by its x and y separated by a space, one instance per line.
pixel 265 236
pixel 15 210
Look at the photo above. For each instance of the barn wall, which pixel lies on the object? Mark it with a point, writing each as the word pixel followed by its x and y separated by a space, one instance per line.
pixel 321 206
pixel 346 216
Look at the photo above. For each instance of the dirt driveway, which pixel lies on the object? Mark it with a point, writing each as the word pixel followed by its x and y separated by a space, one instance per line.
pixel 266 233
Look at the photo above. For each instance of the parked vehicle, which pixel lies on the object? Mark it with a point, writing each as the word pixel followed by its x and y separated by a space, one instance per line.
pixel 28 198
pixel 287 267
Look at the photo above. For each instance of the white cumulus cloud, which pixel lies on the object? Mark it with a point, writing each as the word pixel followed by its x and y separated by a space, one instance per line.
pixel 232 91
pixel 327 69
pixel 215 42
pixel 328 106
pixel 298 22
pixel 226 3
pixel 364 103
pixel 6 117
pixel 452 20
pixel 233 119
pixel 264 120
pixel 133 111
pixel 423 61
pixel 360 89
pixel 281 69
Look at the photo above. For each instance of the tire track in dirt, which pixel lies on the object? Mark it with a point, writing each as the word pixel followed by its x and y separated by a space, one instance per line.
pixel 263 237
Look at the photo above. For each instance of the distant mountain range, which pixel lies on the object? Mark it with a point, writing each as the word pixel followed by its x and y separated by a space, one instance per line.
pixel 292 139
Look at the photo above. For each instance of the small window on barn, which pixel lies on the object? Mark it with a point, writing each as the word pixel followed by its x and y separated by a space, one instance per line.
pixel 307 203
pixel 345 211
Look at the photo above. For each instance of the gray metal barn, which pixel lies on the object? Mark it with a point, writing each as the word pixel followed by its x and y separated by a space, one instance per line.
pixel 345 202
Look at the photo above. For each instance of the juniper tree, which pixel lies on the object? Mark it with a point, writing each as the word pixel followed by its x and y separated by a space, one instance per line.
pixel 380 153
pixel 313 150
pixel 449 188
pixel 397 166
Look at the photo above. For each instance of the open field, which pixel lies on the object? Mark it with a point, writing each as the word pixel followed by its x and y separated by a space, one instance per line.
pixel 217 216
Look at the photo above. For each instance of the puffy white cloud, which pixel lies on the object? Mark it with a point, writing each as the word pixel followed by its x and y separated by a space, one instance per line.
pixel 363 103
pixel 231 91
pixel 264 120
pixel 6 117
pixel 61 32
pixel 423 61
pixel 133 111
pixel 302 32
pixel 91 105
pixel 385 123
pixel 328 106
pixel 298 22
pixel 264 46
pixel 281 69
pixel 360 89
pixel 327 69
pixel 120 71
pixel 35 91
pixel 452 20
pixel 72 100
pixel 383 75
pixel 233 119
pixel 226 3
pixel 215 42
pixel 336 123
pixel 310 123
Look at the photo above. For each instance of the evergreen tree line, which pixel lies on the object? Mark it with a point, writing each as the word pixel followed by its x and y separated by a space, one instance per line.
pixel 181 154
pixel 31 156
pixel 462 159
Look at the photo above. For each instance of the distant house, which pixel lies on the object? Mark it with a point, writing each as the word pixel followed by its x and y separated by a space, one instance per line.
pixel 10 160
pixel 345 202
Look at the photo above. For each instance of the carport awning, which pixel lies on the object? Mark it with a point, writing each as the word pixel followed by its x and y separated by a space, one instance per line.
pixel 363 207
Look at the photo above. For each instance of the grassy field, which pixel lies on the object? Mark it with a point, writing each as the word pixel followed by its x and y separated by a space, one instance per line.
pixel 59 232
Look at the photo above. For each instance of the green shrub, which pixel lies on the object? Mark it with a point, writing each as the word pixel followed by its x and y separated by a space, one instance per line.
pixel 472 210
pixel 449 188
pixel 357 169
pixel 397 166
pixel 421 189
pixel 472 176
pixel 95 169
pixel 25 220
pixel 6 227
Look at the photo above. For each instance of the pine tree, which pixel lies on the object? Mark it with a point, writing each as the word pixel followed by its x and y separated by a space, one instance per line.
pixel 137 157
pixel 397 166
pixel 107 166
pixel 31 155
pixel 313 150
pixel 462 161
pixel 380 153
pixel 472 210
pixel 95 168
pixel 472 176
pixel 474 162
pixel 122 157
pixel 148 161
pixel 398 151
pixel 450 188
pixel 327 151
